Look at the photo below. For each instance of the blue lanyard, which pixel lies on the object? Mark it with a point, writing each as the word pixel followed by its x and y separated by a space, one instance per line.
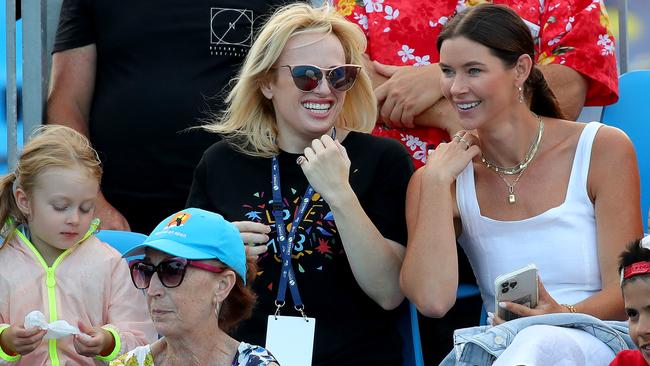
pixel 287 275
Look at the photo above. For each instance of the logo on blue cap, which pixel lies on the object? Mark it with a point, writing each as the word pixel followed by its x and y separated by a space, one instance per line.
pixel 179 219
pixel 198 234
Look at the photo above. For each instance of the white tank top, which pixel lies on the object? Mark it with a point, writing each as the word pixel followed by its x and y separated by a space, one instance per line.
pixel 561 242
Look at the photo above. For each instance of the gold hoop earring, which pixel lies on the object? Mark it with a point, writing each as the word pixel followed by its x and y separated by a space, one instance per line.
pixel 521 95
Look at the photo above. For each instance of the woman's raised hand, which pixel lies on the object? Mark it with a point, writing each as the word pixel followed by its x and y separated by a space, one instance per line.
pixel 327 167
pixel 448 160
pixel 255 235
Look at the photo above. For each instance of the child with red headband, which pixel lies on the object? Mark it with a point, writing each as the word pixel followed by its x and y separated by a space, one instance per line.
pixel 635 283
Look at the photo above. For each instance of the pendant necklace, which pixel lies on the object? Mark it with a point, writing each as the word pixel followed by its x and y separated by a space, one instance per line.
pixel 520 168
pixel 511 187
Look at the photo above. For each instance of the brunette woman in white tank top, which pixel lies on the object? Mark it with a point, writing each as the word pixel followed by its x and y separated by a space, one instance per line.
pixel 570 202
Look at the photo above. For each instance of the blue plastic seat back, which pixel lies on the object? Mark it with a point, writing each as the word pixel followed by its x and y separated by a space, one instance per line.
pixel 632 114
pixel 410 332
pixel 466 290
pixel 121 240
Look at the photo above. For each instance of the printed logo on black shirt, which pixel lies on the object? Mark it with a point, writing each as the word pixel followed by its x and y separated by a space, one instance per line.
pixel 231 31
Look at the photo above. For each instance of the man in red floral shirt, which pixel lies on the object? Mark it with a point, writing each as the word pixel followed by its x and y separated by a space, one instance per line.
pixel 574 49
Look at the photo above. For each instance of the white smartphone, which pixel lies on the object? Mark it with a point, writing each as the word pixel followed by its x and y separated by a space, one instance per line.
pixel 518 286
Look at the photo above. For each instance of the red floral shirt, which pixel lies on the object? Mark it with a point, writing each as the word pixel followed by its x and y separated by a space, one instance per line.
pixel 574 33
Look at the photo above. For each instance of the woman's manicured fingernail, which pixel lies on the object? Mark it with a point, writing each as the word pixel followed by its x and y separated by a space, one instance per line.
pixel 502 305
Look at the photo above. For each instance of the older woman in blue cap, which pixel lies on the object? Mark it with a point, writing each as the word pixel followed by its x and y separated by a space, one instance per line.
pixel 194 273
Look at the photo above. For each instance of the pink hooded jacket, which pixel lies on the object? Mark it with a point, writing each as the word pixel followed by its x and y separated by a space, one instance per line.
pixel 89 282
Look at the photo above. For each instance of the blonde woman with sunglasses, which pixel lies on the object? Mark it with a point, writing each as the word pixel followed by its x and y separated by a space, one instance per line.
pixel 300 110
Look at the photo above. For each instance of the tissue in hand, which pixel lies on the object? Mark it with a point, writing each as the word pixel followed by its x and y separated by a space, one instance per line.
pixel 55 330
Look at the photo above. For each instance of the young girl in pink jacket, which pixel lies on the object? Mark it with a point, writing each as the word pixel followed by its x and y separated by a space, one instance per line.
pixel 51 262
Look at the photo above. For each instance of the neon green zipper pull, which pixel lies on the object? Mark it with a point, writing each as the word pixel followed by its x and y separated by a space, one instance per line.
pixel 50 280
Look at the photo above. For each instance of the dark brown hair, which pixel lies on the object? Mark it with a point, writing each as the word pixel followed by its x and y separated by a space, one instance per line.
pixel 500 29
pixel 241 300
pixel 634 253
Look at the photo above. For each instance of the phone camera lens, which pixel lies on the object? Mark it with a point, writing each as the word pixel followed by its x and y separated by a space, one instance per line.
pixel 504 290
pixel 513 284
pixel 504 285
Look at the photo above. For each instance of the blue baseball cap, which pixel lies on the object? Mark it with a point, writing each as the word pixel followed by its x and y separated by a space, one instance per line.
pixel 197 234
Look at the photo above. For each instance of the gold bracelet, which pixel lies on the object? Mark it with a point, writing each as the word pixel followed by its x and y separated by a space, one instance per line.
pixel 572 309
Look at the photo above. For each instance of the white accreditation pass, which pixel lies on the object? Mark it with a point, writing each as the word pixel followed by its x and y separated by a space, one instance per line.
pixel 291 339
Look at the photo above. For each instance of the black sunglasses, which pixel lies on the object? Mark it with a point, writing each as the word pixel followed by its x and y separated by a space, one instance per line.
pixel 308 77
pixel 170 271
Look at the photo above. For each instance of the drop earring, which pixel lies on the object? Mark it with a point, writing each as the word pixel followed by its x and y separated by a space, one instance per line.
pixel 217 309
pixel 521 94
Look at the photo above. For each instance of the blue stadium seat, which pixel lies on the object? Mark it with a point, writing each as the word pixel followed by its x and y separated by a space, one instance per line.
pixel 632 114
pixel 470 290
pixel 467 290
pixel 410 332
pixel 121 240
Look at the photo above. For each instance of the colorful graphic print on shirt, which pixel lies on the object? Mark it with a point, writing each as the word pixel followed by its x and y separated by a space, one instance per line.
pixel 317 243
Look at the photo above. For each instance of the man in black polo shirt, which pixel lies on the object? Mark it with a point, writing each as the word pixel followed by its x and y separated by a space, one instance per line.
pixel 133 76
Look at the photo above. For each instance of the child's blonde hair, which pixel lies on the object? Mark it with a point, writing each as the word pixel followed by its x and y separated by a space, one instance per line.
pixel 249 119
pixel 51 146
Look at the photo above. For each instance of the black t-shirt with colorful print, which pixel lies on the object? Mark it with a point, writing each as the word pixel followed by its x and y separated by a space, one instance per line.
pixel 351 329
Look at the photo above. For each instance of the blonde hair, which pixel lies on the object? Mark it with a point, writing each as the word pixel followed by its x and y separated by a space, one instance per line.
pixel 51 146
pixel 249 119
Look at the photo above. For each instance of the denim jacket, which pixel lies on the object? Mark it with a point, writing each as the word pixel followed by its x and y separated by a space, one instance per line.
pixel 478 346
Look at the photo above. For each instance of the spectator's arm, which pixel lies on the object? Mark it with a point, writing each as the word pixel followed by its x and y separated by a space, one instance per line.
pixel 439 114
pixel 71 93
pixel 71 87
pixel 569 87
pixel 578 37
pixel 618 215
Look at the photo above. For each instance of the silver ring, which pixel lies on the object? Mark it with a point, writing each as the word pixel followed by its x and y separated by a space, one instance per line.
pixel 300 160
pixel 465 142
pixel 457 136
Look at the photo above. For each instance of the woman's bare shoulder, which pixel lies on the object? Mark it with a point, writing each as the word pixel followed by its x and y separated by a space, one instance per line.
pixel 609 140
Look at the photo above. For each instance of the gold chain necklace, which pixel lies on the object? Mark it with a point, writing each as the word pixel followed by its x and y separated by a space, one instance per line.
pixel 527 158
pixel 519 168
